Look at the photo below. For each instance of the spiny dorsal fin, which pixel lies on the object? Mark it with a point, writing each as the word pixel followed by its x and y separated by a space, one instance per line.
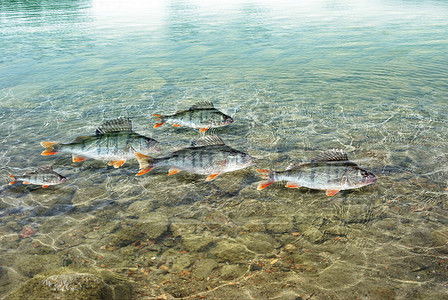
pixel 202 104
pixel 80 138
pixel 45 169
pixel 294 166
pixel 207 140
pixel 117 125
pixel 331 155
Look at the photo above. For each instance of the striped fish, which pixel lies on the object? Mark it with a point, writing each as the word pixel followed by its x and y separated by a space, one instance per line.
pixel 330 171
pixel 206 156
pixel 202 116
pixel 114 141
pixel 44 176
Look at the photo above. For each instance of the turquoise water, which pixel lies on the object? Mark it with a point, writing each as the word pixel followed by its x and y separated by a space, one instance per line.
pixel 298 77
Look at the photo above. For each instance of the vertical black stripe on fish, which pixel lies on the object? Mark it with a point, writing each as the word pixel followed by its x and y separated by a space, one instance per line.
pixel 202 116
pixel 298 175
pixel 98 143
pixel 193 159
pixel 116 143
pixel 328 174
pixel 313 173
pixel 210 159
pixel 201 157
pixel 128 140
pixel 190 114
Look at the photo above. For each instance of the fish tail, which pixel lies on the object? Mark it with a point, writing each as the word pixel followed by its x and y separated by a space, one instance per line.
pixel 265 174
pixel 13 179
pixel 160 120
pixel 52 148
pixel 146 163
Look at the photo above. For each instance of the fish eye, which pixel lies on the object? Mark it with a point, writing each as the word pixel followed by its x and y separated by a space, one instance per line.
pixel 364 173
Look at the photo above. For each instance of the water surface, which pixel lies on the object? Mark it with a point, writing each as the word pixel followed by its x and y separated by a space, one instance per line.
pixel 368 77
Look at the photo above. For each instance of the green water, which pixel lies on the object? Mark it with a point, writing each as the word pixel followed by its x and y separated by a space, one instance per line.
pixel 298 77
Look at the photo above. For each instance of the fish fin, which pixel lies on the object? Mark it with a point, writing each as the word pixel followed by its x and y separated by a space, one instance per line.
pixel 207 140
pixel 173 171
pixel 295 166
pixel 331 155
pixel 212 176
pixel 78 158
pixel 45 186
pixel 160 120
pixel 116 125
pixel 177 125
pixel 117 163
pixel 25 182
pixel 331 192
pixel 264 184
pixel 265 174
pixel 81 138
pixel 145 162
pixel 202 104
pixel 292 185
pixel 51 148
pixel 45 169
pixel 203 129
pixel 13 179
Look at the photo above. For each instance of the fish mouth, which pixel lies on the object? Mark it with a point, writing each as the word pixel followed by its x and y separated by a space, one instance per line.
pixel 64 179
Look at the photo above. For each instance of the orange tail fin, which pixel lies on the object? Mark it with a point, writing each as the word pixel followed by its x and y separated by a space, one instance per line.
pixel 160 120
pixel 51 148
pixel 145 162
pixel 13 179
pixel 265 174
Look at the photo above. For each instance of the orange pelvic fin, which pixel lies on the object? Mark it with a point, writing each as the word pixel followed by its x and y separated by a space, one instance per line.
pixel 173 171
pixel 160 120
pixel 292 185
pixel 203 129
pixel 331 192
pixel 177 125
pixel 25 182
pixel 45 186
pixel 212 176
pixel 143 171
pixel 13 179
pixel 117 163
pixel 264 184
pixel 50 148
pixel 77 158
pixel 145 162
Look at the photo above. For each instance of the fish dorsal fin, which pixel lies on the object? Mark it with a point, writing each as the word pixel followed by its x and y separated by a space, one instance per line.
pixel 331 155
pixel 208 140
pixel 80 138
pixel 45 169
pixel 116 125
pixel 202 104
pixel 294 166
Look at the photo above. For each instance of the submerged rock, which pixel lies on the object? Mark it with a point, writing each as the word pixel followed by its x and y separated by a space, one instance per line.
pixel 232 252
pixel 69 284
pixel 203 269
pixel 232 271
pixel 197 242
pixel 153 226
pixel 439 238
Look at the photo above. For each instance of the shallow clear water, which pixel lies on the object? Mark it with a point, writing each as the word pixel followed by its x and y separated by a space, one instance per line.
pixel 298 77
